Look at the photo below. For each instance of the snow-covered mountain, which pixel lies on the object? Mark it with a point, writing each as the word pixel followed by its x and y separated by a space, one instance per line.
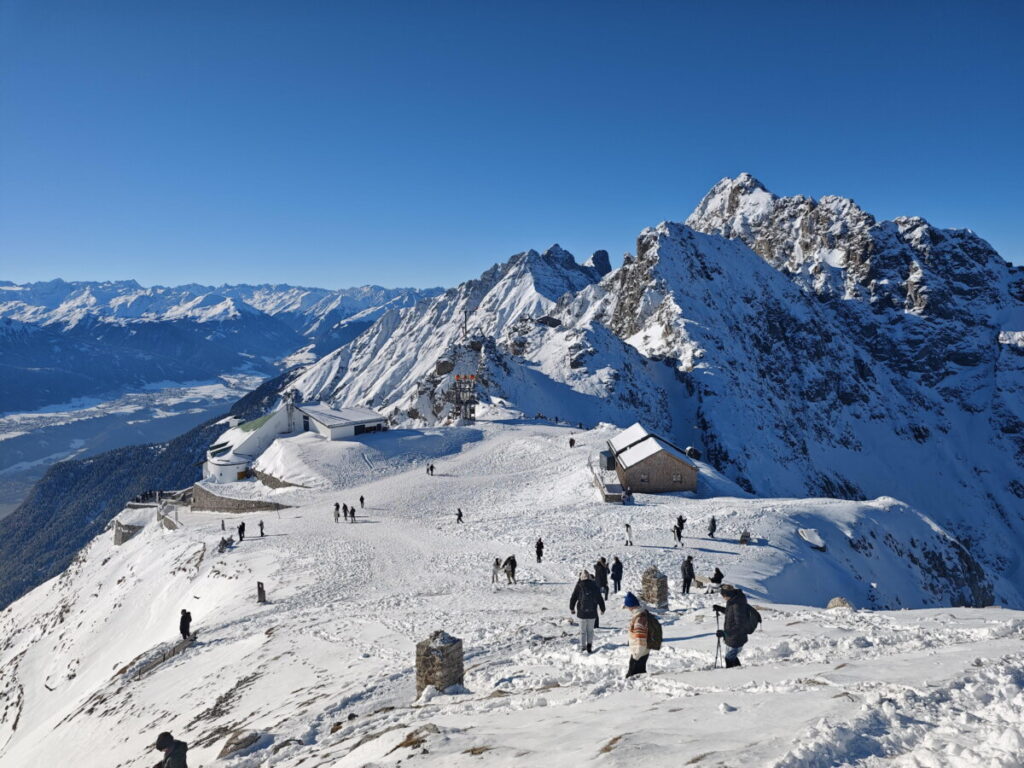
pixel 324 672
pixel 803 346
pixel 63 340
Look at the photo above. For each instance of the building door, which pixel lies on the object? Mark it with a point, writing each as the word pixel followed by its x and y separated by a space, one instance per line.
pixel 305 423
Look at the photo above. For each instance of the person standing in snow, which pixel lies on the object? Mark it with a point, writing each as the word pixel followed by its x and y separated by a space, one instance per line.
pixel 629 535
pixel 174 751
pixel 458 514
pixel 241 531
pixel 585 601
pixel 261 529
pixel 540 549
pixel 616 574
pixel 733 631
pixel 712 527
pixel 637 636
pixel 601 576
pixel 509 566
pixel 352 513
pixel 688 574
pixel 677 533
pixel 362 502
pixel 681 522
pixel 495 570
pixel 336 514
pixel 185 624
pixel 572 442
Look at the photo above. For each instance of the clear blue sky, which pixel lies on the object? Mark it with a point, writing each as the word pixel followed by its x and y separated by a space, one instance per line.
pixel 415 143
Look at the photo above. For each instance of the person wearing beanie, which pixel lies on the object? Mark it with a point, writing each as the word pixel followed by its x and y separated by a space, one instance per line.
pixel 637 636
pixel 733 631
pixel 585 601
pixel 174 751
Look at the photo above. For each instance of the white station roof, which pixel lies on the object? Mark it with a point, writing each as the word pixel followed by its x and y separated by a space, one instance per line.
pixel 627 437
pixel 647 448
pixel 341 417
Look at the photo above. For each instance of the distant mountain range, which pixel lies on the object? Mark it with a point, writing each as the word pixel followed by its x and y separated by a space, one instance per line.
pixel 804 347
pixel 63 340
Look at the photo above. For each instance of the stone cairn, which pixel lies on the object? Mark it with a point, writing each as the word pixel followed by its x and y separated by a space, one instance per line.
pixel 438 662
pixel 654 587
pixel 838 602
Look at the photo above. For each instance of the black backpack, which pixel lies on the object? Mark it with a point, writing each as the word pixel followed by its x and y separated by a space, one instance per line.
pixel 654 633
pixel 751 620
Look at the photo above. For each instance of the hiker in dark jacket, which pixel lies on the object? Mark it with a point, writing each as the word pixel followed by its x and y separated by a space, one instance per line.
pixel 458 515
pixel 601 576
pixel 677 533
pixel 688 574
pixel 717 577
pixel 616 574
pixel 174 751
pixel 733 631
pixel 712 527
pixel 185 624
pixel 362 502
pixel 509 567
pixel 585 601
pixel 261 528
pixel 681 522
pixel 241 531
pixel 540 549
pixel 572 442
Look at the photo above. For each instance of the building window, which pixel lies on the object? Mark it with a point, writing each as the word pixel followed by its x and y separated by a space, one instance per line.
pixel 644 477
pixel 677 478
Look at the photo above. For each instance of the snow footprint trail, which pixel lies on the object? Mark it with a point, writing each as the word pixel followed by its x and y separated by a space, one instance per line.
pixel 975 719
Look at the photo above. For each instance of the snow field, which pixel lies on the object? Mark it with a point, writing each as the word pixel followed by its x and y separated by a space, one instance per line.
pixel 349 601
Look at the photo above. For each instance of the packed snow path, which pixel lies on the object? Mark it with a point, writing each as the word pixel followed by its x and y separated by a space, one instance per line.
pixel 324 671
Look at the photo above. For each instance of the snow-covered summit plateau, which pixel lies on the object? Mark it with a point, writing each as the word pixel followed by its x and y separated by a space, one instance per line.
pixel 323 673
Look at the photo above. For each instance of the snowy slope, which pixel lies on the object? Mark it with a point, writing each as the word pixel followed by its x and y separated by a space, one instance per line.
pixel 804 347
pixel 323 672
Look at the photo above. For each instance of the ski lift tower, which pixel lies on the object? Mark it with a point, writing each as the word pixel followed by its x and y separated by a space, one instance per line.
pixel 463 397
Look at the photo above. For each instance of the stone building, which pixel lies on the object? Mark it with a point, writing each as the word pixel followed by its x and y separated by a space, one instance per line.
pixel 647 463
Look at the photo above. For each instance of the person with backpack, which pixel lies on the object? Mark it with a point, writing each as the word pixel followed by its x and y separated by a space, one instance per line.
pixel 601 576
pixel 540 549
pixel 712 527
pixel 616 574
pixel 688 574
pixel 644 635
pixel 509 566
pixel 174 751
pixel 740 620
pixel 184 624
pixel 585 601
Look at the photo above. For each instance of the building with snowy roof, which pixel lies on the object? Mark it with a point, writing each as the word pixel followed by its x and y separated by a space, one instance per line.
pixel 647 463
pixel 231 455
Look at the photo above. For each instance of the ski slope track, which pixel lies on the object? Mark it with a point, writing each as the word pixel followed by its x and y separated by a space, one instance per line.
pixel 323 673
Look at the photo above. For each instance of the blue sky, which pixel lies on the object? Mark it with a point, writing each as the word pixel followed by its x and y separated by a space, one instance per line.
pixel 342 143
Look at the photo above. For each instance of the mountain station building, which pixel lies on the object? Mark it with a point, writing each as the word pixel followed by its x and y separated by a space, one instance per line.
pixel 230 457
